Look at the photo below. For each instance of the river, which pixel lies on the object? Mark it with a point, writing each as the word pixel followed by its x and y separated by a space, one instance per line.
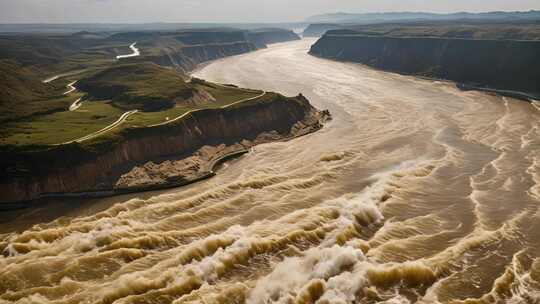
pixel 415 192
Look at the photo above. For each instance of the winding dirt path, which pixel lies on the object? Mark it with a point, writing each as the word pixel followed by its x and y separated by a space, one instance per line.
pixel 55 77
pixel 108 128
pixel 75 105
pixel 191 111
pixel 71 87
pixel 135 53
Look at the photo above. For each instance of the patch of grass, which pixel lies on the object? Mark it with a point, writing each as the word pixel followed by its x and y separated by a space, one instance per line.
pixel 60 127
pixel 225 94
pixel 143 86
pixel 35 114
pixel 23 94
pixel 94 115
pixel 25 61
pixel 145 119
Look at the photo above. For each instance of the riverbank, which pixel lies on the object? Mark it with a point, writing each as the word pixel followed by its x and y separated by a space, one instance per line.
pixel 506 93
pixel 114 192
pixel 207 158
pixel 461 86
pixel 506 67
pixel 165 156
pixel 466 87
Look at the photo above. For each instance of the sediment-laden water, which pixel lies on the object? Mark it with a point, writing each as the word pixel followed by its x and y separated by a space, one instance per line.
pixel 415 192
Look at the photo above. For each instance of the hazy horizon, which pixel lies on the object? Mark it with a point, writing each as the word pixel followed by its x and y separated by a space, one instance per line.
pixel 222 11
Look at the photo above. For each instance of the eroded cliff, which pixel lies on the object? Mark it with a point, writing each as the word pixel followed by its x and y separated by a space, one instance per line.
pixel 186 49
pixel 495 64
pixel 100 167
pixel 262 37
pixel 188 57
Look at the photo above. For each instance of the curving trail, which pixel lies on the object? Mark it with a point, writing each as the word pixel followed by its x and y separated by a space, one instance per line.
pixel 51 79
pixel 108 128
pixel 71 88
pixel 76 104
pixel 135 52
pixel 55 77
pixel 191 111
pixel 416 192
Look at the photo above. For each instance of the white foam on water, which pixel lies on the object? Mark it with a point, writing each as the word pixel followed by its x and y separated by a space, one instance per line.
pixel 536 104
pixel 294 273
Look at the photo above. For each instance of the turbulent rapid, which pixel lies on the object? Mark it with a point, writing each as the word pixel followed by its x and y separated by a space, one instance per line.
pixel 416 192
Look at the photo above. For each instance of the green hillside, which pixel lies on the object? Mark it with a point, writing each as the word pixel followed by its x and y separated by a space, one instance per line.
pixel 111 95
pixel 23 94
pixel 143 86
pixel 159 94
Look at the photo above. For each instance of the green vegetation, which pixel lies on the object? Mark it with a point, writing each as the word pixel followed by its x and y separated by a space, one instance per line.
pixel 160 94
pixel 143 86
pixel 137 125
pixel 49 55
pixel 36 114
pixel 23 94
pixel 61 126
pixel 223 96
pixel 25 61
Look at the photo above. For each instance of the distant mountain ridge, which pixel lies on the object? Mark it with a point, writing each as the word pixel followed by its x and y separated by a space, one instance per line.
pixel 402 16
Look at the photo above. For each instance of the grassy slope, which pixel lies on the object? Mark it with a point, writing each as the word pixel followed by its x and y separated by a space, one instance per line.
pixel 34 113
pixel 55 54
pixel 61 126
pixel 141 85
pixel 25 61
pixel 23 94
pixel 222 96
pixel 130 130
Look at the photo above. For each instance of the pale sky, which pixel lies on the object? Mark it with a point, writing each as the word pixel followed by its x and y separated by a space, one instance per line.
pixel 137 11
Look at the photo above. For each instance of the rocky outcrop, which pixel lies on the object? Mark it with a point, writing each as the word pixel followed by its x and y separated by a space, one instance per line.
pixel 109 168
pixel 495 64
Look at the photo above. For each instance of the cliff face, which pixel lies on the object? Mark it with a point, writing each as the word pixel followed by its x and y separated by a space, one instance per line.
pixel 198 54
pixel 199 46
pixel 76 168
pixel 261 38
pixel 188 57
pixel 496 64
pixel 170 154
pixel 462 29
